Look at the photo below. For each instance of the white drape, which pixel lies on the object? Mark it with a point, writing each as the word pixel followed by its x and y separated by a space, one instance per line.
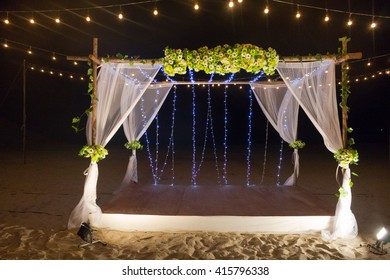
pixel 314 87
pixel 138 122
pixel 114 80
pixel 281 110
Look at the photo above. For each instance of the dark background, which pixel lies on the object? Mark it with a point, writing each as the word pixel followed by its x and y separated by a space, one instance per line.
pixel 53 101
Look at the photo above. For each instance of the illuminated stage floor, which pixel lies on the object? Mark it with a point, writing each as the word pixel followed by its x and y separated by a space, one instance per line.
pixel 215 208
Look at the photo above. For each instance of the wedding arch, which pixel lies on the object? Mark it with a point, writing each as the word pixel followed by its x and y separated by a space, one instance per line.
pixel 124 93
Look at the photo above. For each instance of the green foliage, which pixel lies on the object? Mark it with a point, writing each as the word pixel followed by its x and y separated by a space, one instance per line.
pixel 134 145
pixel 346 156
pixel 221 60
pixel 297 144
pixel 95 152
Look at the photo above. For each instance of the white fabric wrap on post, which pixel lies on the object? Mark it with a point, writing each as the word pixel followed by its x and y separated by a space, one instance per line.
pixel 138 122
pixel 114 80
pixel 313 84
pixel 281 110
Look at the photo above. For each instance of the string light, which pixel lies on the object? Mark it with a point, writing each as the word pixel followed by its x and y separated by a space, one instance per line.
pixel 280 163
pixel 266 9
pixel 6 20
pixel 349 23
pixel 193 171
pixel 265 152
pixel 196 6
pixel 231 4
pixel 298 14
pixel 326 19
pixel 88 18
pixel 373 23
pixel 120 15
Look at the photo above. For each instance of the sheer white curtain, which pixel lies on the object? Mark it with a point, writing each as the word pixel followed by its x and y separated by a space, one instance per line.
pixel 114 80
pixel 138 122
pixel 313 84
pixel 281 110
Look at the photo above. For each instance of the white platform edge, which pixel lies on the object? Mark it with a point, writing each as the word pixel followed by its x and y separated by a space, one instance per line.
pixel 240 224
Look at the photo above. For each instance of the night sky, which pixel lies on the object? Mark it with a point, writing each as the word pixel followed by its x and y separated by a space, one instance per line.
pixel 52 100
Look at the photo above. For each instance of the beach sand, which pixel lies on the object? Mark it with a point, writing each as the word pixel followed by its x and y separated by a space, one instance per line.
pixel 38 196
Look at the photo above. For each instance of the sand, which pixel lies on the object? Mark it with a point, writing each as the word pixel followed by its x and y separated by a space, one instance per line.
pixel 38 196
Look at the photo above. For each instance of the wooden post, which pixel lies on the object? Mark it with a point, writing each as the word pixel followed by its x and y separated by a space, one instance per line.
pixel 24 111
pixel 344 110
pixel 94 99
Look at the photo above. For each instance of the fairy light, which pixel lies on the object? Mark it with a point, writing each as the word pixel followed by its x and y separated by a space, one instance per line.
pixel 54 57
pixel 280 163
pixel 212 130
pixel 225 146
pixel 29 51
pixel 265 152
pixel 172 139
pixel 156 150
pixel 249 148
pixel 120 15
pixel 193 171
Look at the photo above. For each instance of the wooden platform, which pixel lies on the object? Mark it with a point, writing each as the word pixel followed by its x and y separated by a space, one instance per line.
pixel 217 201
pixel 259 209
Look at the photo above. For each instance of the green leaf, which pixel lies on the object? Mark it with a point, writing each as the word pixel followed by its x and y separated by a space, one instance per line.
pixel 350 129
pixel 351 184
pixel 354 174
pixel 75 120
pixel 76 129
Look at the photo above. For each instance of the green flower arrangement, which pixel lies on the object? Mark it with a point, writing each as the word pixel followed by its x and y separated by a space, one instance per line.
pixel 346 156
pixel 221 60
pixel 95 152
pixel 297 144
pixel 134 145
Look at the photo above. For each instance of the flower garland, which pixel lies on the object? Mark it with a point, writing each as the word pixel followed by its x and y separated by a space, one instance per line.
pixel 134 145
pixel 221 60
pixel 346 156
pixel 297 145
pixel 95 152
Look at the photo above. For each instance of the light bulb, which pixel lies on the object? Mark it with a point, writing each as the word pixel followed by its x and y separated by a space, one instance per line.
pixel 298 15
pixel 29 51
pixel 5 45
pixel 120 16
pixel 368 63
pixel 57 20
pixel 75 63
pixel 231 4
pixel 32 21
pixel 88 18
pixel 326 18
pixel 373 25
pixel 239 1
pixel 196 6
pixel 6 21
pixel 266 10
pixel 155 12
pixel 349 22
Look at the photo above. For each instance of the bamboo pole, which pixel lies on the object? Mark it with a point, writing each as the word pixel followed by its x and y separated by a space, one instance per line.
pixel 338 59
pixel 24 111
pixel 94 99
pixel 344 110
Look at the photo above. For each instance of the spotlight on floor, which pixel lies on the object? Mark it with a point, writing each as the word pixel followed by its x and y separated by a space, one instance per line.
pixel 86 233
pixel 382 238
